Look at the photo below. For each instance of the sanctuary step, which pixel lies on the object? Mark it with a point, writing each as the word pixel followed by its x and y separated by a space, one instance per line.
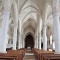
pixel 29 55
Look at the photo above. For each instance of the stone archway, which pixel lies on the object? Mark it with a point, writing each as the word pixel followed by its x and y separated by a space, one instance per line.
pixel 29 41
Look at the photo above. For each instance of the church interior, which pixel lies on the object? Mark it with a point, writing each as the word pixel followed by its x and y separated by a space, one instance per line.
pixel 29 29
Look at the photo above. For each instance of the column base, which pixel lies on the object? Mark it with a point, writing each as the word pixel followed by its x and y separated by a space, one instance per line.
pixel 57 53
pixel 13 49
pixel 3 51
pixel 18 48
pixel 40 48
pixel 44 49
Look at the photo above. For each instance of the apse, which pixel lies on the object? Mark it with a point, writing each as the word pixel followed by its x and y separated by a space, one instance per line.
pixel 29 41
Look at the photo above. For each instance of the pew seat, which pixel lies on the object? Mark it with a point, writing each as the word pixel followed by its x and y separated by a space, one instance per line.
pixel 13 54
pixel 50 56
pixel 8 58
pixel 38 53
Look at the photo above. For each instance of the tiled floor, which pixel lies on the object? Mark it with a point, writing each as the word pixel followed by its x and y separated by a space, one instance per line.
pixel 29 55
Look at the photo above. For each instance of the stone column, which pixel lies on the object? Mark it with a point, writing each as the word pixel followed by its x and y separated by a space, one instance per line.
pixel 15 26
pixel 39 29
pixel 23 41
pixel 35 43
pixel 19 42
pixel 20 33
pixel 5 23
pixel 48 41
pixel 9 43
pixel 56 25
pixel 15 38
pixel 36 39
pixel 44 36
pixel 39 40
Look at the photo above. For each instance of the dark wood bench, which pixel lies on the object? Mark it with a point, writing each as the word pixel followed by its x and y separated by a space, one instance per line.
pixel 8 58
pixel 38 53
pixel 50 56
pixel 8 49
pixel 45 52
pixel 45 55
pixel 13 54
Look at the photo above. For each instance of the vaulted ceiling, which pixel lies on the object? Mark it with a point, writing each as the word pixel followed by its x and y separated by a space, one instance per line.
pixel 30 12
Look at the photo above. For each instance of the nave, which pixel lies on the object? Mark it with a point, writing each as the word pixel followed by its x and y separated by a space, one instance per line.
pixel 30 23
pixel 37 19
pixel 29 54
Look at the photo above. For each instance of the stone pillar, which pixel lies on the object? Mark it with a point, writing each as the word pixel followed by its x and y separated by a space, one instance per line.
pixel 20 33
pixel 15 26
pixel 19 42
pixel 39 30
pixel 51 40
pixel 23 40
pixel 44 36
pixel 39 40
pixel 5 23
pixel 9 42
pixel 56 25
pixel 15 38
pixel 36 40
pixel 48 41
pixel 35 43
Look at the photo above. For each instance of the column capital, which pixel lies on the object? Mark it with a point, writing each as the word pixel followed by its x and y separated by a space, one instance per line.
pixel 15 26
pixel 6 5
pixel 3 51
pixel 39 33
pixel 55 6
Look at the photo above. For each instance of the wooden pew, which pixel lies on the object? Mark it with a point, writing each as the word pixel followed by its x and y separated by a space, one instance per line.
pixel 38 53
pixel 19 53
pixel 13 54
pixel 35 51
pixel 8 49
pixel 45 55
pixel 50 56
pixel 45 52
pixel 8 58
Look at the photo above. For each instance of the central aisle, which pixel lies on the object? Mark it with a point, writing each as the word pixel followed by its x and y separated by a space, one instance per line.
pixel 29 55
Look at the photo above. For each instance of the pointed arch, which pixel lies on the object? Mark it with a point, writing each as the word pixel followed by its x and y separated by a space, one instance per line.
pixel 31 7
